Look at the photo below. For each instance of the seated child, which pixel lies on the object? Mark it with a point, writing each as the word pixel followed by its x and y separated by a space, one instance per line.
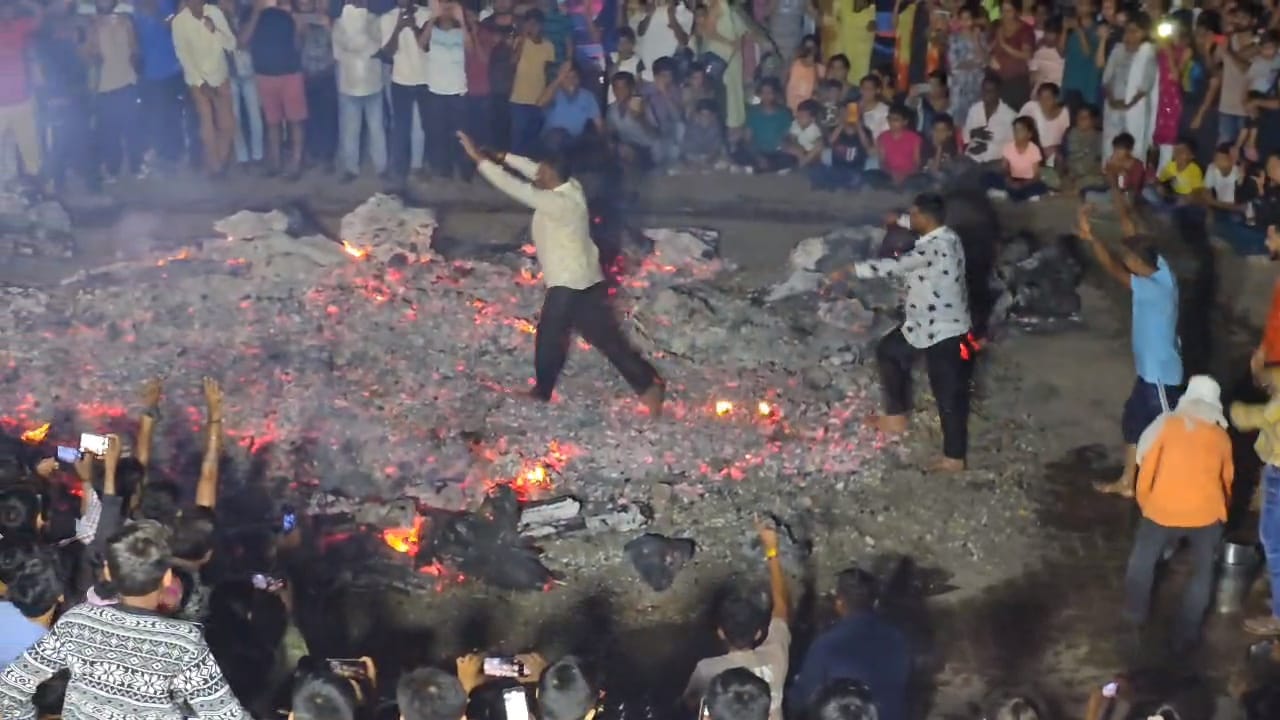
pixel 1221 182
pixel 848 155
pixel 1083 154
pixel 804 137
pixel 1023 161
pixel 943 160
pixel 1124 175
pixel 899 149
pixel 696 88
pixel 832 102
pixel 624 59
pixel 767 124
pixel 1179 180
pixel 702 147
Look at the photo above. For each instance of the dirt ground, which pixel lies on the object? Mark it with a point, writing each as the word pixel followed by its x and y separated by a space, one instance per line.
pixel 1044 611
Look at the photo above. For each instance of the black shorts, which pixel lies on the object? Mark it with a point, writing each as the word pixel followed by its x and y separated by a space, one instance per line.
pixel 1143 406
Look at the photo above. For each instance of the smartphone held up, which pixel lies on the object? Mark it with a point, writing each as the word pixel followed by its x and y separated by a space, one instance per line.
pixel 504 667
pixel 93 444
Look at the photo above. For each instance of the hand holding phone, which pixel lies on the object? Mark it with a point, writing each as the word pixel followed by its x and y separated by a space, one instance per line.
pixel 68 455
pixel 93 444
pixel 504 667
pixel 266 582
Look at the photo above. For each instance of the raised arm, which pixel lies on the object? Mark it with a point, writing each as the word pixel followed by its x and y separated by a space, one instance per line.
pixel 207 487
pixel 777 578
pixel 1106 259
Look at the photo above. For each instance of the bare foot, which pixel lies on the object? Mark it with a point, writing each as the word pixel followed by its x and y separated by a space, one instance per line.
pixel 1122 487
pixel 891 424
pixel 947 465
pixel 653 398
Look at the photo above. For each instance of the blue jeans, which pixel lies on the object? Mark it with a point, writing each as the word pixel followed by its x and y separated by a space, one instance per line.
pixel 1245 239
pixel 244 94
pixel 1229 127
pixel 119 139
pixel 356 113
pixel 526 125
pixel 1269 530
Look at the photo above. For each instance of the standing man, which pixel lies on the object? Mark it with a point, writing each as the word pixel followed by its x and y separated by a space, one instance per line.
pixel 315 40
pixel 113 49
pixel 400 29
pixel 446 42
pixel 161 90
pixel 661 30
pixel 18 23
pixel 1155 336
pixel 202 39
pixel 64 96
pixel 937 325
pixel 1184 490
pixel 577 297
pixel 355 43
pixel 272 39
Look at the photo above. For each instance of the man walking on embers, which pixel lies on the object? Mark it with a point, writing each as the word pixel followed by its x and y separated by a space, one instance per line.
pixel 936 325
pixel 577 297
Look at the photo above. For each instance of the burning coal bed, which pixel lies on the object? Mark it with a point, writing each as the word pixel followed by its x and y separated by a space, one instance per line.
pixel 376 380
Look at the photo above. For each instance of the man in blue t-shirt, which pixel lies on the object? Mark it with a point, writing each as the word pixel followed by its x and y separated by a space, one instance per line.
pixel 1139 266
pixel 162 90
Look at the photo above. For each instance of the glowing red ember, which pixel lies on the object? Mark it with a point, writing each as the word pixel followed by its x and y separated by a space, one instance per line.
pixel 723 407
pixel 35 436
pixel 353 251
pixel 404 540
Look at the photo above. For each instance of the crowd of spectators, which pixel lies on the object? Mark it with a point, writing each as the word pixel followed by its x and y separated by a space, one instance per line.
pixel 1026 98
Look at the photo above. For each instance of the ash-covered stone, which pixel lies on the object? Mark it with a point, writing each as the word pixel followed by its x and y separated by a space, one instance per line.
pixel 658 559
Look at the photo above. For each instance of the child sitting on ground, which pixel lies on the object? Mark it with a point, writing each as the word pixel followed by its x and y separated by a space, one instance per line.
pixel 832 102
pixel 1023 161
pixel 1083 154
pixel 944 160
pixel 696 89
pixel 624 59
pixel 804 137
pixel 767 124
pixel 1179 180
pixel 899 149
pixel 1124 173
pixel 702 147
pixel 848 155
pixel 1220 183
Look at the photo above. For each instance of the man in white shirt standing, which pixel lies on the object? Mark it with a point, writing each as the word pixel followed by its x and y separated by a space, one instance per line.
pixel 202 38
pixel 446 42
pixel 356 40
pixel 400 30
pixel 661 29
pixel 989 125
pixel 577 297
pixel 936 325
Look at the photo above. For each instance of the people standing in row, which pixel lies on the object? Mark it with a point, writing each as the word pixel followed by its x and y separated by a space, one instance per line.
pixel 445 41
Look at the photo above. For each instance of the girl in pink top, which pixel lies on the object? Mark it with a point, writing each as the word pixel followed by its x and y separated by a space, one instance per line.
pixel 805 72
pixel 899 148
pixel 1022 159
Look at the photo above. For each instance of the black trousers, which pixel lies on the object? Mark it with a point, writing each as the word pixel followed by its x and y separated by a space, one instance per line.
pixel 949 363
pixel 446 115
pixel 587 311
pixel 167 120
pixel 404 100
pixel 70 147
pixel 118 141
pixel 1149 544
pixel 321 142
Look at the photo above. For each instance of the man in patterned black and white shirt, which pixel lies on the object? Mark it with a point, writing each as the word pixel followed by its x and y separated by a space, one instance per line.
pixel 936 325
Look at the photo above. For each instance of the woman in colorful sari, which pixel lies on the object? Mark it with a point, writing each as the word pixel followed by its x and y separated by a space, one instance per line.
pixel 967 61
pixel 1172 58
pixel 1129 83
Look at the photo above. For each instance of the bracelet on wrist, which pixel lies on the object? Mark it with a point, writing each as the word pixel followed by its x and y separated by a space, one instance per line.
pixel 771 553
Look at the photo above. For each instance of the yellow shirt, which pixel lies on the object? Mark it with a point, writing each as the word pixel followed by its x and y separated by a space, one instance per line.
pixel 855 39
pixel 531 71
pixel 1185 181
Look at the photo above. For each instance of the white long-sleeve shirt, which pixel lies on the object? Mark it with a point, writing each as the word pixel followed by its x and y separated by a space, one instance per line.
pixel 409 64
pixel 356 38
pixel 561 225
pixel 203 53
pixel 1000 123
pixel 937 296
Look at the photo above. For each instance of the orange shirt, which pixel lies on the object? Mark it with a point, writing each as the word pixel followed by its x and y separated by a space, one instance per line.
pixel 1271 333
pixel 1186 476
